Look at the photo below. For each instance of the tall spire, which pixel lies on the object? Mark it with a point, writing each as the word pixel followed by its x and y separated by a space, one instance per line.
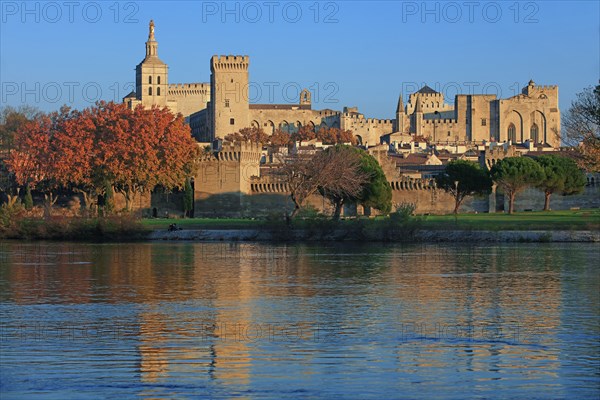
pixel 151 33
pixel 151 44
pixel 400 107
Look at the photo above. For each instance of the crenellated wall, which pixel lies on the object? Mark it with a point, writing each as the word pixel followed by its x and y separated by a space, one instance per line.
pixel 368 130
pixel 190 97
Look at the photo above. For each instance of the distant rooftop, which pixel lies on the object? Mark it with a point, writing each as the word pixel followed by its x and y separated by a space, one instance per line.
pixel 427 90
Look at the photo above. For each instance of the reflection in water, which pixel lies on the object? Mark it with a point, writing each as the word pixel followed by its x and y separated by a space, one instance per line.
pixel 173 320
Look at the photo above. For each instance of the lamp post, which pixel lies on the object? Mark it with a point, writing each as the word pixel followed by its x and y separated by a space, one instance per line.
pixel 456 200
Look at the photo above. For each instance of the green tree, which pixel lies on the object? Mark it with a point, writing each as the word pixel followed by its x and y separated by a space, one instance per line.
pixel 576 180
pixel 513 174
pixel 335 172
pixel 188 198
pixel 463 178
pixel 376 192
pixel 561 175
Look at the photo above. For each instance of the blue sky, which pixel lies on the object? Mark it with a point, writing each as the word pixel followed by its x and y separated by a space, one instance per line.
pixel 353 53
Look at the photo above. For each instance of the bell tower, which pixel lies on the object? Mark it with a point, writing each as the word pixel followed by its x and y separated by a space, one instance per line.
pixel 151 75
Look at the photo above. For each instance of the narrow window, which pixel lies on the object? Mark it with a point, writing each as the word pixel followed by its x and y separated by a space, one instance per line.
pixel 158 91
pixel 150 91
pixel 150 80
pixel 227 103
pixel 231 121
pixel 158 79
pixel 534 133
pixel 483 122
pixel 512 133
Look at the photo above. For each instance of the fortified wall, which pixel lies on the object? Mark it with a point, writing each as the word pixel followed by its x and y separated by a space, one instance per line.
pixel 368 131
pixel 190 97
pixel 223 179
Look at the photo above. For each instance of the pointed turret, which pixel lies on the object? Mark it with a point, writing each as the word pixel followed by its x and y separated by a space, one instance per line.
pixel 400 107
pixel 400 115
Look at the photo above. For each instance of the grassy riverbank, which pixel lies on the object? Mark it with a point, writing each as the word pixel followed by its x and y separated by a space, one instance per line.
pixel 394 228
pixel 112 229
pixel 551 220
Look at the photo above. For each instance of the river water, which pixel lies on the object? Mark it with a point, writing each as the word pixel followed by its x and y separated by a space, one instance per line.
pixel 223 320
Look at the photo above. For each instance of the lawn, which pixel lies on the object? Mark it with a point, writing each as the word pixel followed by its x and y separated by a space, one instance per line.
pixel 203 223
pixel 539 220
pixel 552 220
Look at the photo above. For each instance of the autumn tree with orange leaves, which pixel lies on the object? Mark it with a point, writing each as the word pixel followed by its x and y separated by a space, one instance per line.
pixel 107 144
pixel 335 136
pixel 304 133
pixel 253 134
pixel 32 158
pixel 280 138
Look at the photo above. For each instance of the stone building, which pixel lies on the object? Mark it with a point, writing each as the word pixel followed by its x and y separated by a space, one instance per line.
pixel 532 116
pixel 222 106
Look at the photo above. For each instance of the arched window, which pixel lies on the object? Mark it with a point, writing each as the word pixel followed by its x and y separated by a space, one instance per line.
pixel 150 80
pixel 150 91
pixel 158 79
pixel 512 133
pixel 158 91
pixel 270 127
pixel 534 133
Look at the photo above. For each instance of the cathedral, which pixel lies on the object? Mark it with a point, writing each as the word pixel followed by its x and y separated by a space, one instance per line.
pixel 216 109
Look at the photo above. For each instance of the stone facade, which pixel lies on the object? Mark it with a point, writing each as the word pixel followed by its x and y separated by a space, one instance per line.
pixel 222 106
pixel 532 116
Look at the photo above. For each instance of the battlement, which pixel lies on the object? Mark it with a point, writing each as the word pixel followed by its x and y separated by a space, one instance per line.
pixel 548 87
pixel 272 184
pixel 361 118
pixel 246 152
pixel 529 89
pixel 440 121
pixel 188 89
pixel 378 121
pixel 229 62
pixel 406 183
pixel 240 151
pixel 189 85
pixel 353 116
pixel 428 95
pixel 268 184
pixel 328 112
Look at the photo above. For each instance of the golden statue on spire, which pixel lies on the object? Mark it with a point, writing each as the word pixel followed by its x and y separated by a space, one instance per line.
pixel 152 28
